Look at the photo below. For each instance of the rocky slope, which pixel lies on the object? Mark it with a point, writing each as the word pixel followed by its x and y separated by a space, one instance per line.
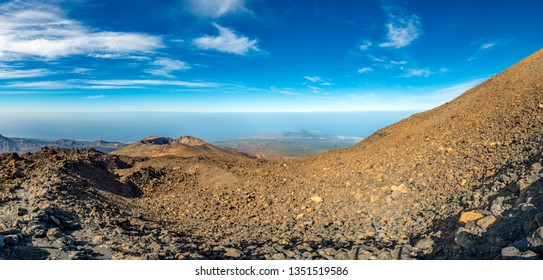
pixel 462 181
pixel 24 145
pixel 185 147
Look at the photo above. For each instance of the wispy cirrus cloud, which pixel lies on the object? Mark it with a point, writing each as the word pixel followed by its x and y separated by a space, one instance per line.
pixel 364 70
pixel 485 46
pixel 215 8
pixel 94 97
pixel 41 85
pixel 286 91
pixel 317 80
pixel 105 84
pixel 81 70
pixel 40 30
pixel 9 73
pixel 488 45
pixel 164 67
pixel 151 83
pixel 227 41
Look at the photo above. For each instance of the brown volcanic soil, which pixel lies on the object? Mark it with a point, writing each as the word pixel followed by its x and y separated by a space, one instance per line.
pixel 461 181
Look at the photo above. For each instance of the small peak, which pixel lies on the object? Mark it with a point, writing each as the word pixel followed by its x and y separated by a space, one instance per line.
pixel 157 140
pixel 191 141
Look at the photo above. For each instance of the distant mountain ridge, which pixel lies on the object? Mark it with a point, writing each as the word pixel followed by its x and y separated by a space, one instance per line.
pixel 24 145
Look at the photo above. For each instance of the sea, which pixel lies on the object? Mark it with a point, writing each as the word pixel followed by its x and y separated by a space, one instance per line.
pixel 131 126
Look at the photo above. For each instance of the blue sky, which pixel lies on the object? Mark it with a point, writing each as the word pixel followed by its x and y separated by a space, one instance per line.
pixel 255 55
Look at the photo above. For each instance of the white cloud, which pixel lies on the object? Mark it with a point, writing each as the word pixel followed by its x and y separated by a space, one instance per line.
pixel 402 62
pixel 18 74
pixel 81 70
pixel 314 79
pixel 487 46
pixel 150 83
pixel 38 85
pixel 365 70
pixel 119 56
pixel 166 65
pixel 365 46
pixel 283 91
pixel 318 80
pixel 105 84
pixel 417 73
pixel 315 89
pixel 401 29
pixel 484 47
pixel 40 30
pixel 376 59
pixel 215 8
pixel 95 97
pixel 227 41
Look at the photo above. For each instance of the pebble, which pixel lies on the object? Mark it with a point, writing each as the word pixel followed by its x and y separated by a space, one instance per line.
pixel 233 253
pixel 426 244
pixel 54 233
pixel 330 251
pixel 342 256
pixel 54 220
pixel 290 254
pixel 526 207
pixel 98 239
pixel 278 256
pixel 317 199
pixel 21 211
pixel 486 222
pixel 396 195
pixel 384 255
pixel 402 188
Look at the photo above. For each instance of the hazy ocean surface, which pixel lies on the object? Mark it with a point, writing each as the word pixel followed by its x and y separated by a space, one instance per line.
pixel 132 126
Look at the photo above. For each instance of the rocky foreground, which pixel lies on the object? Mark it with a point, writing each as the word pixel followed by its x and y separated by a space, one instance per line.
pixel 462 181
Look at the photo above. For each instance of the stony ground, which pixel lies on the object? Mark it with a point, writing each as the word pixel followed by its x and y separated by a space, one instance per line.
pixel 463 181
